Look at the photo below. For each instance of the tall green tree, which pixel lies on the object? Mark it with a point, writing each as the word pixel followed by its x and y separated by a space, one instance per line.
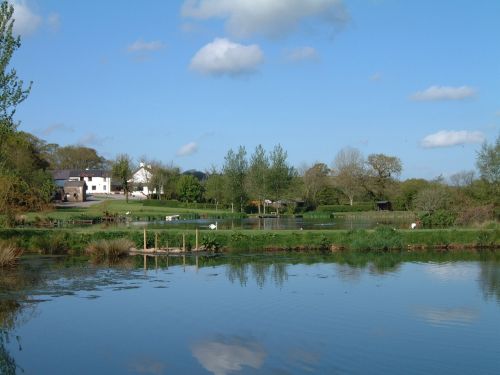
pixel 122 171
pixel 281 173
pixel 257 176
pixel 214 187
pixel 189 189
pixel 315 180
pixel 12 89
pixel 235 170
pixel 384 170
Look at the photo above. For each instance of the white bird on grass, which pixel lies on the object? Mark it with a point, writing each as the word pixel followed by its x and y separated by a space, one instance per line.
pixel 213 226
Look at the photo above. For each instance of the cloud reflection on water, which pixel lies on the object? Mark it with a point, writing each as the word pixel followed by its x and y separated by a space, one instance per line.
pixel 441 317
pixel 224 355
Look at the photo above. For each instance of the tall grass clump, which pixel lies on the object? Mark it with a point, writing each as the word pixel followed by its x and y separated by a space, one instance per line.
pixel 9 254
pixel 51 243
pixel 111 250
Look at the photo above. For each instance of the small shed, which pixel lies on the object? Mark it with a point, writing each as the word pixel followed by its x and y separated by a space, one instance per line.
pixel 75 191
pixel 384 206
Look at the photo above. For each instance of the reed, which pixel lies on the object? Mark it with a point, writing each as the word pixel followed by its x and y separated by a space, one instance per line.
pixel 111 250
pixel 9 254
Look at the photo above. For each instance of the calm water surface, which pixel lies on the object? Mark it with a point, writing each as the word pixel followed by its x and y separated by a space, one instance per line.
pixel 286 314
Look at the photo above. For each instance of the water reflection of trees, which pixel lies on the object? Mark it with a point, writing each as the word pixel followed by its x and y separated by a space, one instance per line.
pixel 489 279
pixel 14 286
pixel 261 272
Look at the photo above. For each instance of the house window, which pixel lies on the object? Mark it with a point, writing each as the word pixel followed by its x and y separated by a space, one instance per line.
pixel 90 178
pixel 94 187
pixel 104 187
pixel 81 178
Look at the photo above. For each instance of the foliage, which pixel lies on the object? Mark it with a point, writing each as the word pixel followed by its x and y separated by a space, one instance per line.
pixel 12 91
pixel 257 178
pixel 476 215
pixel 280 173
pixel 358 207
pixel 214 187
pixel 75 157
pixel 438 219
pixel 189 189
pixel 24 183
pixel 235 170
pixel 432 198
pixel 383 170
pixel 122 171
pixel 488 162
pixel 316 180
pixel 210 242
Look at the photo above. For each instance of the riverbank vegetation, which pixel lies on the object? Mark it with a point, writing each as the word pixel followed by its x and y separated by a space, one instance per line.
pixel 9 254
pixel 75 241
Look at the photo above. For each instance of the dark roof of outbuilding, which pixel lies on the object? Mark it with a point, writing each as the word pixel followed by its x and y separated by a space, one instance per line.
pixel 74 184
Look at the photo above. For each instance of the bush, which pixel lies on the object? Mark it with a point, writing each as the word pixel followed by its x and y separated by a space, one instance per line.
pixel 476 215
pixel 438 219
pixel 53 243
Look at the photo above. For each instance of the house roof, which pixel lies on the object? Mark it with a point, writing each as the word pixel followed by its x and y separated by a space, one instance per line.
pixel 74 184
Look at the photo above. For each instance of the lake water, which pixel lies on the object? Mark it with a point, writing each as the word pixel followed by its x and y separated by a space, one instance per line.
pixel 340 221
pixel 280 314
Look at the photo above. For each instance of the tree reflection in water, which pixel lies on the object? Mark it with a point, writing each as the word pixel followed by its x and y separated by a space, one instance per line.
pixel 15 309
pixel 489 279
pixel 262 272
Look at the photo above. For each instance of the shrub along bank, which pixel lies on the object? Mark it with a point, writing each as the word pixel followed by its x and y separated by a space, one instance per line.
pixel 63 241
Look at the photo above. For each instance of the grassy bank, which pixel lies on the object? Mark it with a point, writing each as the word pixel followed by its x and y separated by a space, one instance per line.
pixel 62 241
pixel 134 210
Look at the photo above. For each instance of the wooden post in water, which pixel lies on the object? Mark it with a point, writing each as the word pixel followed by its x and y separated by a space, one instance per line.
pixel 156 241
pixel 167 251
pixel 145 244
pixel 196 248
pixel 184 242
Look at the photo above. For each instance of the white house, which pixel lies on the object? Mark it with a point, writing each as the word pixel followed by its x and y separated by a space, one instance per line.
pixel 98 181
pixel 140 181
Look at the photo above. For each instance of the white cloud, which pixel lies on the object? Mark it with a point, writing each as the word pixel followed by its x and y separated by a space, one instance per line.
pixel 142 46
pixel 229 355
pixel 447 138
pixel 188 149
pixel 434 93
pixel 268 17
pixel 26 21
pixel 302 53
pixel 225 57
pixel 54 21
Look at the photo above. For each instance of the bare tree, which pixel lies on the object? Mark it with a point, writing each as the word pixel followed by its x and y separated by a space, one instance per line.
pixel 348 172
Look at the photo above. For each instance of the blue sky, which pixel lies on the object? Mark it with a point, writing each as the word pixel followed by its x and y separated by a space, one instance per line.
pixel 184 81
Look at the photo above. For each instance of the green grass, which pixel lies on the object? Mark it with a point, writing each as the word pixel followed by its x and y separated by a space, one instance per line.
pixel 137 211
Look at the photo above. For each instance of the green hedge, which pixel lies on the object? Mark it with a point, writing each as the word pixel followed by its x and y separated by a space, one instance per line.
pixel 358 207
